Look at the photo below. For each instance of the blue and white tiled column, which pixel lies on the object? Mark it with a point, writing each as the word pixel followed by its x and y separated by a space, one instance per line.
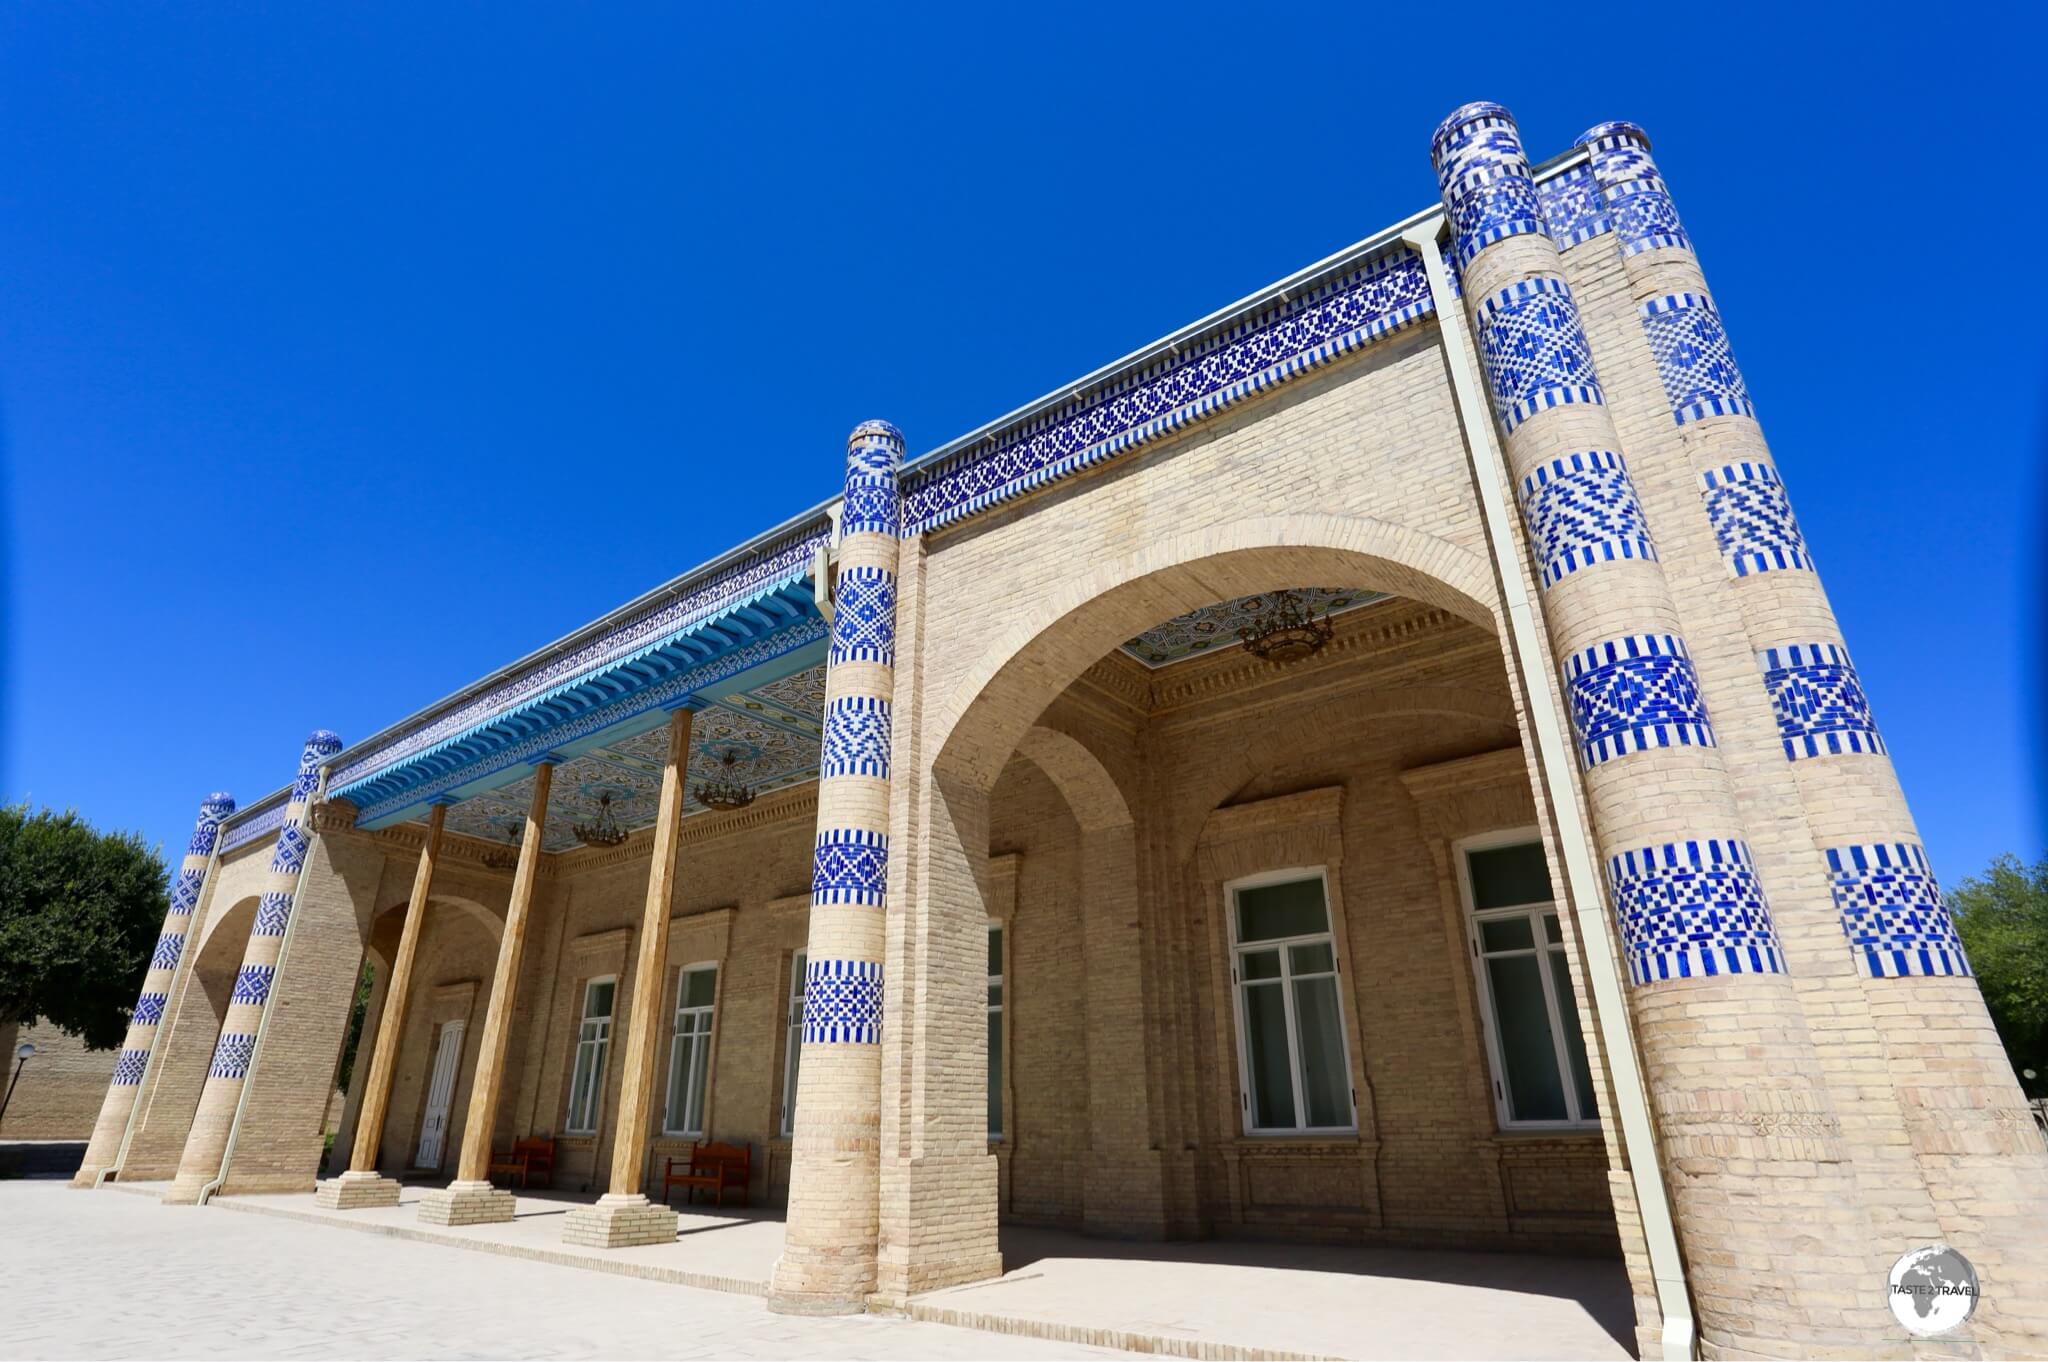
pixel 1862 899
pixel 829 1245
pixel 148 1015
pixel 207 1144
pixel 1713 1007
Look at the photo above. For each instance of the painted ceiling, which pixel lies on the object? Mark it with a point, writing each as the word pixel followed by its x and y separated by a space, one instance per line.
pixel 1214 627
pixel 773 731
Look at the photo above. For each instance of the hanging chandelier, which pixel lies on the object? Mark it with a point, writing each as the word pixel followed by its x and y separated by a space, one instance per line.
pixel 1288 632
pixel 605 832
pixel 727 792
pixel 506 859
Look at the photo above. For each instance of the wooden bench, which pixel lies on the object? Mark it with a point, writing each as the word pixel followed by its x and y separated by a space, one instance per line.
pixel 527 1160
pixel 711 1168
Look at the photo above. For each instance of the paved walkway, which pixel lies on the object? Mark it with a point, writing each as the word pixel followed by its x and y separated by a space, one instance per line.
pixel 102 1275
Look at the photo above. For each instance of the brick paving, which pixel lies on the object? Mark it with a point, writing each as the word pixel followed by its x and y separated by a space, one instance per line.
pixel 115 1276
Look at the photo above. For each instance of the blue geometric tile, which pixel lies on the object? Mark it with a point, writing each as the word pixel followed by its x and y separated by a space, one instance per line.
pixel 169 947
pixel 128 1069
pixel 1893 912
pixel 1535 351
pixel 1582 510
pixel 1484 211
pixel 1752 518
pixel 273 911
pixel 1634 693
pixel 1299 334
pixel 1693 358
pixel 1644 216
pixel 873 504
pixel 1573 211
pixel 252 984
pixel 291 848
pixel 185 896
pixel 856 737
pixel 850 866
pixel 842 1002
pixel 864 616
pixel 1692 909
pixel 1818 700
pixel 149 1009
pixel 213 810
pixel 1477 140
pixel 231 1056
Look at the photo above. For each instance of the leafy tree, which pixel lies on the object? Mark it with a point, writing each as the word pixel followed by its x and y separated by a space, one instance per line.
pixel 2003 919
pixel 79 914
pixel 357 1012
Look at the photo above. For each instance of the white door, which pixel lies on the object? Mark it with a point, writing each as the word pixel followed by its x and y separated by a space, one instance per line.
pixel 440 1092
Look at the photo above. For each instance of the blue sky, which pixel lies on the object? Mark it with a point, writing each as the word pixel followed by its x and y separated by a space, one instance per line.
pixel 349 352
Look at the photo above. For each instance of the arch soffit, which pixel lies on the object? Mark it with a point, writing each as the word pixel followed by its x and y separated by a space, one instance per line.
pixel 1023 668
pixel 492 921
pixel 241 913
pixel 1091 792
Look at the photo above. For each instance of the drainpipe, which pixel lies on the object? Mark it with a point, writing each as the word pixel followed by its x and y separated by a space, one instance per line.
pixel 1575 841
pixel 284 950
pixel 179 978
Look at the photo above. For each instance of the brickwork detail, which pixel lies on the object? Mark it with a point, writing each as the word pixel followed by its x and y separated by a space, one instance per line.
pixel 1893 912
pixel 1634 693
pixel 1818 700
pixel 1752 518
pixel 1692 909
pixel 1581 510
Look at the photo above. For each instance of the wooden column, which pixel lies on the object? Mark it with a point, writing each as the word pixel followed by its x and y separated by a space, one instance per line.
pixel 361 1186
pixel 624 1216
pixel 470 1199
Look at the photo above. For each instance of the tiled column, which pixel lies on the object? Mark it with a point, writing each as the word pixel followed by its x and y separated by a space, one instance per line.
pixel 828 1257
pixel 624 1216
pixel 207 1145
pixel 1886 956
pixel 103 1153
pixel 1734 1078
pixel 362 1186
pixel 471 1199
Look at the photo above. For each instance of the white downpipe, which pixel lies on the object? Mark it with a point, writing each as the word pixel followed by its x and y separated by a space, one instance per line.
pixel 1575 841
pixel 178 978
pixel 284 948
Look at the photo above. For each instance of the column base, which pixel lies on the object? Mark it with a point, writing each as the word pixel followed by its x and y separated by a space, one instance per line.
pixel 354 1191
pixel 184 1190
pixel 466 1203
pixel 796 1303
pixel 622 1220
pixel 87 1176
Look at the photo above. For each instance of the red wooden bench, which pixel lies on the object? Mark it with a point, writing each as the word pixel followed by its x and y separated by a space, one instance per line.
pixel 711 1168
pixel 527 1160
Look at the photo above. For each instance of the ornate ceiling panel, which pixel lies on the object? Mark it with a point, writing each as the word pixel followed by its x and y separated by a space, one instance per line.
pixel 1214 627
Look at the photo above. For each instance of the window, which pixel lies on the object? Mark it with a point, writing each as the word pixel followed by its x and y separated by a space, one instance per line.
pixel 995 1031
pixel 689 1051
pixel 1532 1019
pixel 1296 1068
pixel 593 1046
pixel 793 1041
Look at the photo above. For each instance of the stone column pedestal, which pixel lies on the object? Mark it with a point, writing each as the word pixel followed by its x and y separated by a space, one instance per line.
pixel 466 1203
pixel 620 1220
pixel 356 1191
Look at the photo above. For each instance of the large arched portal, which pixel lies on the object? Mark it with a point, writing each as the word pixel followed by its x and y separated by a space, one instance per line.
pixel 1255 931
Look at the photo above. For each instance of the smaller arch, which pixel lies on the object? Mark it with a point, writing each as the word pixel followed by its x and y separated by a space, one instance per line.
pixel 1091 792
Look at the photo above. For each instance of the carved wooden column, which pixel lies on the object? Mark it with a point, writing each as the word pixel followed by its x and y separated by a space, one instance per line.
pixel 361 1186
pixel 624 1216
pixel 470 1199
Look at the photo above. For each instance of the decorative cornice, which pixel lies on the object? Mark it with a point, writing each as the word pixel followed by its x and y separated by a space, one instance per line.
pixel 1235 822
pixel 1381 629
pixel 1503 766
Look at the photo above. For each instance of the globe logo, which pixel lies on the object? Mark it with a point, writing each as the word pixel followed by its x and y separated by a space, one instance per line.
pixel 1932 1290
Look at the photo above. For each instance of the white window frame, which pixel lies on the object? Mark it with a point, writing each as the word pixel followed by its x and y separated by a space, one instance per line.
pixel 1237 986
pixel 793 1037
pixel 1483 981
pixel 997 1012
pixel 602 1043
pixel 701 1056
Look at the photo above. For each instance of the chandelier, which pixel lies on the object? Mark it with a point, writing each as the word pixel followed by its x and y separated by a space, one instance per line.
pixel 1288 632
pixel 605 832
pixel 727 792
pixel 495 859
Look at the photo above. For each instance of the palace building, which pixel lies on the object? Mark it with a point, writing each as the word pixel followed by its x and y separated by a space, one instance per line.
pixel 1377 765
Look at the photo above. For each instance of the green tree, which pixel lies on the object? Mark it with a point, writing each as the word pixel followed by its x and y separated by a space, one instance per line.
pixel 358 1011
pixel 79 914
pixel 2003 919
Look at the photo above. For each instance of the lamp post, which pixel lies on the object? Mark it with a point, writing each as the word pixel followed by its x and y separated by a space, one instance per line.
pixel 22 1052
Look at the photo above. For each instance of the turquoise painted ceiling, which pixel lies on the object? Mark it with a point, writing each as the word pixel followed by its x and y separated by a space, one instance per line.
pixel 1214 628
